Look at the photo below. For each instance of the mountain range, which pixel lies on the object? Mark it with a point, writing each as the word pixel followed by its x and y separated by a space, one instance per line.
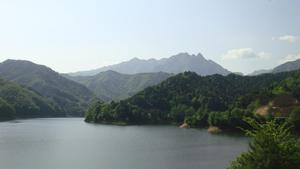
pixel 122 80
pixel 31 90
pixel 175 64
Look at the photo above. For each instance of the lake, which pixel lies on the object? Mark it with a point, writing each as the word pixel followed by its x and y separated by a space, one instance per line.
pixel 70 143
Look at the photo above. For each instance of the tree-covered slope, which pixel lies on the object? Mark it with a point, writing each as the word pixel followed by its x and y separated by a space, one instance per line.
pixel 188 97
pixel 115 86
pixel 70 97
pixel 19 102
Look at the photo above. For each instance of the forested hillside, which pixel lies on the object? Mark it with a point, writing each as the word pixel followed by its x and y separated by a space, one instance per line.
pixel 19 102
pixel 69 97
pixel 199 101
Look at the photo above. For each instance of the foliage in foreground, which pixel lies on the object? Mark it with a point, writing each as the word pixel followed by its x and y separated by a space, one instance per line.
pixel 271 147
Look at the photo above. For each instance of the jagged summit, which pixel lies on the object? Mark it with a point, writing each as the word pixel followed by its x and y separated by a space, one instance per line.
pixel 175 64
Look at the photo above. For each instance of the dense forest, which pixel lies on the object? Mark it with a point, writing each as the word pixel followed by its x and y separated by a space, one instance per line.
pixel 199 101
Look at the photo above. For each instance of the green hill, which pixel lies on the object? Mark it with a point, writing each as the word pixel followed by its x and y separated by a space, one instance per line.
pixel 111 85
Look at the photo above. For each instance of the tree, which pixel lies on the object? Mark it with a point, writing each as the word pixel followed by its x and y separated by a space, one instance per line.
pixel 271 147
pixel 93 111
pixel 7 112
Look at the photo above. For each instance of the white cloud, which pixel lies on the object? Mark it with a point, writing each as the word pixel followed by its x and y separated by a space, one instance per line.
pixel 290 57
pixel 288 38
pixel 245 53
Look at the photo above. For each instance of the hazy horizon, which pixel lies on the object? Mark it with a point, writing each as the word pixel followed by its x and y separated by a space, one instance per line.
pixel 70 36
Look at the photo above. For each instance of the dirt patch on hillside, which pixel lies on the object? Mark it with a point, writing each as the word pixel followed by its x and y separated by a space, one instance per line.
pixel 262 110
pixel 279 107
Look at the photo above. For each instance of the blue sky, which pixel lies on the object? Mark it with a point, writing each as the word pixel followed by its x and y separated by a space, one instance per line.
pixel 72 35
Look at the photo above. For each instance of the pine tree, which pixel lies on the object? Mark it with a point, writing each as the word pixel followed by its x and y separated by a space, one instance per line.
pixel 271 147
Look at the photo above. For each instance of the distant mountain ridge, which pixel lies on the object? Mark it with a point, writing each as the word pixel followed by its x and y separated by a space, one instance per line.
pixel 175 64
pixel 111 85
pixel 285 67
pixel 288 66
pixel 259 72
pixel 69 97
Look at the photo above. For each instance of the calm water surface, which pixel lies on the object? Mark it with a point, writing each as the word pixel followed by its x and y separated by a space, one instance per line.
pixel 69 143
